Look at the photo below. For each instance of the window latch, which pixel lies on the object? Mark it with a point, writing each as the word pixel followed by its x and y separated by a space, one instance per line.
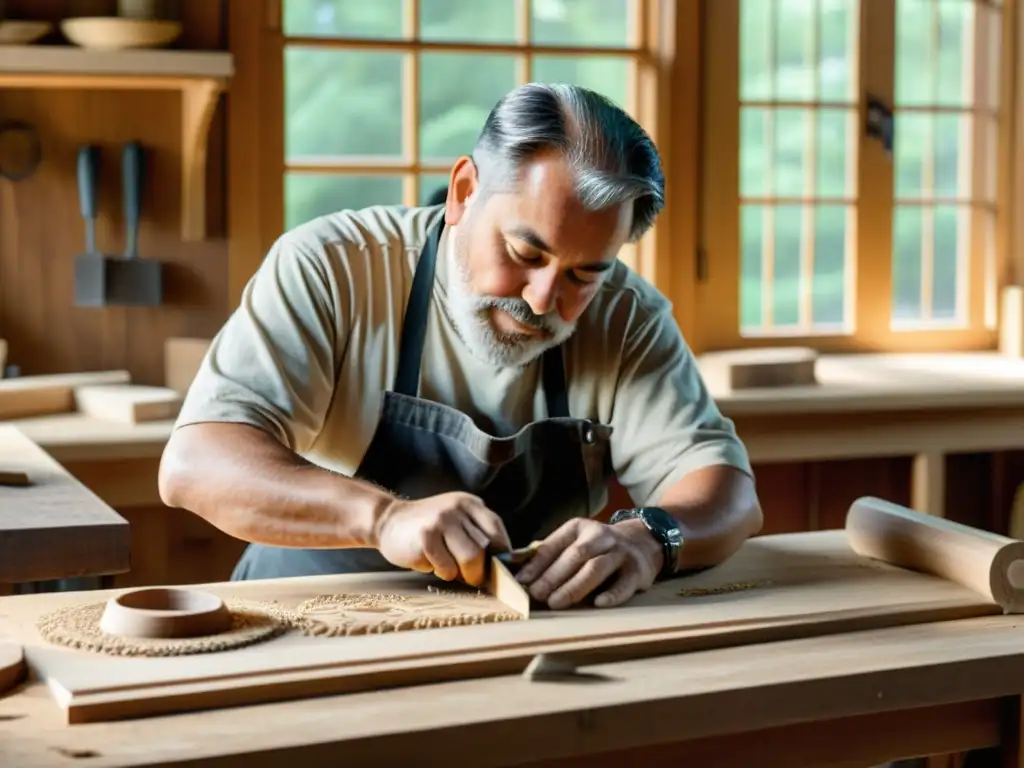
pixel 880 123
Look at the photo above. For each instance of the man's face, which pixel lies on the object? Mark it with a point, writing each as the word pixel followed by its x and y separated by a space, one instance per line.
pixel 527 261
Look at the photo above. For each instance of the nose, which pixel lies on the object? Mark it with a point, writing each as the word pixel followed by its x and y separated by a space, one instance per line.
pixel 541 291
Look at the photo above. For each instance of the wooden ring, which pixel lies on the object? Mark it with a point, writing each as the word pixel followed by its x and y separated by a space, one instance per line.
pixel 162 612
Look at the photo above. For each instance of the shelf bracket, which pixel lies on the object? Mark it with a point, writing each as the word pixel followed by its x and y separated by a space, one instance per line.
pixel 198 104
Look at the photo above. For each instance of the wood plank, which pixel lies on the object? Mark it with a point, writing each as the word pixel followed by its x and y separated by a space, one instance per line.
pixel 54 527
pixel 67 63
pixel 804 585
pixel 28 396
pixel 127 403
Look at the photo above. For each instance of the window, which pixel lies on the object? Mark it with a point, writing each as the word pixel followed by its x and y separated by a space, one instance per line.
pixel 381 96
pixel 853 192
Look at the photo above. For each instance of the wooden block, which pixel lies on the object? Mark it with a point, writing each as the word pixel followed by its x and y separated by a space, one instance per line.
pixel 1011 321
pixel 13 477
pixel 28 396
pixel 182 358
pixel 759 368
pixel 3 357
pixel 127 403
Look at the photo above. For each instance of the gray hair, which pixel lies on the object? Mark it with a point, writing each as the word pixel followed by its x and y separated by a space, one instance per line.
pixel 613 158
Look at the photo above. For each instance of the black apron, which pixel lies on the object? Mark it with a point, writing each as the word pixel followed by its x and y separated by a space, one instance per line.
pixel 548 472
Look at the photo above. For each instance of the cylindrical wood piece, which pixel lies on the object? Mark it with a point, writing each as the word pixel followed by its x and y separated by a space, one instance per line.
pixel 159 612
pixel 990 564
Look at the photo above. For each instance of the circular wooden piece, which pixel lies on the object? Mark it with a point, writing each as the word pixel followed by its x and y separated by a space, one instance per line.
pixel 162 612
pixel 12 665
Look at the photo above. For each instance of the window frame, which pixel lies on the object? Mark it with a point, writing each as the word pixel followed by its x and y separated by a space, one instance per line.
pixel 870 278
pixel 663 97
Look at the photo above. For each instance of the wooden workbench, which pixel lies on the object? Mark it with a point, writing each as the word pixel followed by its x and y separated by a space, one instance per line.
pixel 856 699
pixel 53 527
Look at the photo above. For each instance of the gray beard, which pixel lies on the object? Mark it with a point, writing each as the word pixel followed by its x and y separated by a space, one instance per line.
pixel 471 317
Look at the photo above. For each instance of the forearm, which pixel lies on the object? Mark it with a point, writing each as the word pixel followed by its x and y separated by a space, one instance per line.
pixel 717 509
pixel 244 482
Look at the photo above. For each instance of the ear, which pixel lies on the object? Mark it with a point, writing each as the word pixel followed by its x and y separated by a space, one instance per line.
pixel 462 187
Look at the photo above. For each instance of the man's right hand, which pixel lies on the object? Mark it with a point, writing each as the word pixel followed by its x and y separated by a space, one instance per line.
pixel 447 535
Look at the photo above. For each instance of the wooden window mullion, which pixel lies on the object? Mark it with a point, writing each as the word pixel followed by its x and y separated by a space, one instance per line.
pixel 411 103
pixel 873 239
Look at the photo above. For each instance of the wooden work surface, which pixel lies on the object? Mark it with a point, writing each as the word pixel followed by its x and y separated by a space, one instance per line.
pixel 54 527
pixel 792 585
pixel 858 698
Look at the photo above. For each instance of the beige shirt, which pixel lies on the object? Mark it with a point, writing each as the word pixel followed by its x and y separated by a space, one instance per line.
pixel 314 344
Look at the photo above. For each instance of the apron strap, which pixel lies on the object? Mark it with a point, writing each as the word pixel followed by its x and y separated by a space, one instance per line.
pixel 414 333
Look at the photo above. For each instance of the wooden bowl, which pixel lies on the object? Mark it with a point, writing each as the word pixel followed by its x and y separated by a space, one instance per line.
pixel 162 612
pixel 23 32
pixel 111 33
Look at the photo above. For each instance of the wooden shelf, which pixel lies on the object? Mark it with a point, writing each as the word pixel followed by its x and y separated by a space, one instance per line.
pixel 200 77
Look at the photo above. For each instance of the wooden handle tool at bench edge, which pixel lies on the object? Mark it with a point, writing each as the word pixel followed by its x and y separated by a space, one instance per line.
pixel 990 564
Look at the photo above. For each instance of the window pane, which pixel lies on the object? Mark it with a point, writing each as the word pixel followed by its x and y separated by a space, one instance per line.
pixel 457 92
pixel 915 62
pixel 828 296
pixel 956 40
pixel 912 135
pixel 756 49
pixel 908 234
pixel 952 148
pixel 752 248
pixel 342 18
pixel 791 149
pixel 795 30
pixel 835 129
pixel 952 224
pixel 581 22
pixel 492 21
pixel 431 184
pixel 342 102
pixel 608 75
pixel 754 130
pixel 839 25
pixel 786 280
pixel 308 195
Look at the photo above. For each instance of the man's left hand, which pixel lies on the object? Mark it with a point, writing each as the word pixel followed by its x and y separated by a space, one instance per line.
pixel 582 554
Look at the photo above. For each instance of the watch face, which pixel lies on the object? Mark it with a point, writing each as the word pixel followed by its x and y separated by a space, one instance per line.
pixel 658 518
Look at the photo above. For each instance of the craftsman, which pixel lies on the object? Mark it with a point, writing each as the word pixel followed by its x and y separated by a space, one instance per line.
pixel 414 387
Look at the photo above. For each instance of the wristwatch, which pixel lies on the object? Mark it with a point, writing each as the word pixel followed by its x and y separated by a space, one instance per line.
pixel 663 527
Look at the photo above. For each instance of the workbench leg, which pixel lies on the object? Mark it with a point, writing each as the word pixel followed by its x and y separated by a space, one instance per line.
pixel 1011 734
pixel 928 484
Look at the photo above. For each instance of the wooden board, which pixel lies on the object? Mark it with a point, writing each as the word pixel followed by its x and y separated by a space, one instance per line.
pixel 127 403
pixel 54 527
pixel 792 585
pixel 27 396
pixel 769 367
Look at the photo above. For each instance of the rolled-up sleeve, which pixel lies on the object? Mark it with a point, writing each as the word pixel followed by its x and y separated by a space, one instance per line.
pixel 273 364
pixel 665 422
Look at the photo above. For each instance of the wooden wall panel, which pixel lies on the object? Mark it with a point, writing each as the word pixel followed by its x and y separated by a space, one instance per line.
pixel 41 229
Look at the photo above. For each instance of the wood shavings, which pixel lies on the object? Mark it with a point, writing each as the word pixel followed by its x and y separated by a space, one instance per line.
pixel 723 589
pixel 365 614
pixel 78 627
